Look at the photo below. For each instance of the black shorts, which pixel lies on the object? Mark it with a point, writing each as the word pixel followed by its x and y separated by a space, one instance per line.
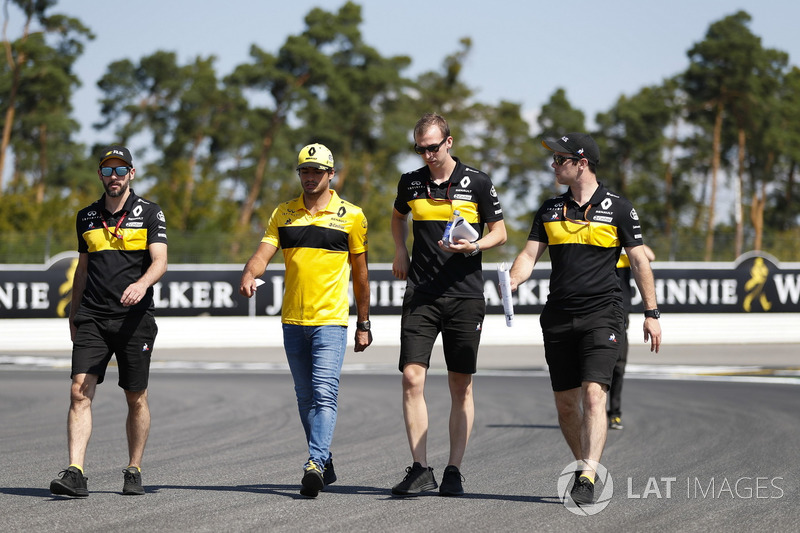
pixel 460 321
pixel 131 339
pixel 582 348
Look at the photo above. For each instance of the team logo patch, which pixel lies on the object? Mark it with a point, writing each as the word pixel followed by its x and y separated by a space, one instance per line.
pixel 634 216
pixel 605 204
pixel 612 338
pixel 465 181
pixel 145 347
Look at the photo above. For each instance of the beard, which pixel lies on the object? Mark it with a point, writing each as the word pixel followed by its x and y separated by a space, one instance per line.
pixel 119 192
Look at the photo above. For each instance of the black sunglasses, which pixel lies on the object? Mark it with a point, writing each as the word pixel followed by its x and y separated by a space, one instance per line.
pixel 119 171
pixel 433 148
pixel 561 159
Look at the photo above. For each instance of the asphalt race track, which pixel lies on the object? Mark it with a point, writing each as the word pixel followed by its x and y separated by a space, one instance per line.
pixel 226 450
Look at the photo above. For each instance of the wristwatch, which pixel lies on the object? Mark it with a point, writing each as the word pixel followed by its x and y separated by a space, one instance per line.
pixel 475 251
pixel 363 326
pixel 652 313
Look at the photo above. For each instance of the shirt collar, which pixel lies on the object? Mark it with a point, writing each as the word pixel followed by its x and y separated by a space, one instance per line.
pixel 298 203
pixel 127 207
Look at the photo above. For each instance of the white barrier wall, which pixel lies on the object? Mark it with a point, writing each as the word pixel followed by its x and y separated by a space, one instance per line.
pixel 27 335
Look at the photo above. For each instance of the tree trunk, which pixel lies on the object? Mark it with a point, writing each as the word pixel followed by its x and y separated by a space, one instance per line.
pixel 188 194
pixel 716 149
pixel 255 189
pixel 40 185
pixel 757 208
pixel 739 205
pixel 668 185
pixel 281 110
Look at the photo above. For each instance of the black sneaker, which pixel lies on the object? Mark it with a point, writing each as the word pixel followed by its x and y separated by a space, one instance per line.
pixel 71 483
pixel 328 473
pixel 451 482
pixel 418 479
pixel 582 492
pixel 133 482
pixel 312 481
pixel 615 422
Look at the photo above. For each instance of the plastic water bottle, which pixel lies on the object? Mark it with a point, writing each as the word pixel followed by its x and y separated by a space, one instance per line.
pixel 448 227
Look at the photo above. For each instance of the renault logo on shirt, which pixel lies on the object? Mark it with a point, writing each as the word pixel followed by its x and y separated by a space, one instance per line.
pixel 465 181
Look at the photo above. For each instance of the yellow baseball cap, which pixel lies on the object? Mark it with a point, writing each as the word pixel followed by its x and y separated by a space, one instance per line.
pixel 316 156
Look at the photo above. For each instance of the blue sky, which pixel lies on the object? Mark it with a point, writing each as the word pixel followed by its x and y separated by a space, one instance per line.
pixel 522 50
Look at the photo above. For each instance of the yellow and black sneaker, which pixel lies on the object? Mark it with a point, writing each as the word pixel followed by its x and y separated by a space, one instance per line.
pixel 312 480
pixel 582 492
pixel 615 422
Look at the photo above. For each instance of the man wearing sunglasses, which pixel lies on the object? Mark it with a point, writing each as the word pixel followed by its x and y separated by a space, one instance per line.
pixel 444 293
pixel 583 321
pixel 122 253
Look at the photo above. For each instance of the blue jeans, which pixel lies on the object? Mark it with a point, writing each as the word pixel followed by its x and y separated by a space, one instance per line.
pixel 315 355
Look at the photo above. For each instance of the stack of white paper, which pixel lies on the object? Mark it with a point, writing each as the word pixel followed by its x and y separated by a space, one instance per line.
pixel 505 292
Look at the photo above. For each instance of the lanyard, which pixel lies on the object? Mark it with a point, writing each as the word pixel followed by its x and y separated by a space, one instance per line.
pixel 116 233
pixel 446 193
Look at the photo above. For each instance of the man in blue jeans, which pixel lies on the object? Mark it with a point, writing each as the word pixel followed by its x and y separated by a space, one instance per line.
pixel 322 237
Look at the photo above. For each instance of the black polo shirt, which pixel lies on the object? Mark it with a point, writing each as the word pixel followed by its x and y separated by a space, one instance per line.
pixel 584 255
pixel 470 191
pixel 118 254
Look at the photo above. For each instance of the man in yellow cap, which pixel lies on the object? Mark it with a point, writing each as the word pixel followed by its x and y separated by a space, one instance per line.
pixel 321 237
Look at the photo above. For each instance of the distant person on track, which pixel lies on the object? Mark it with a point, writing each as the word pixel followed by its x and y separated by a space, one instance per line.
pixel 583 321
pixel 122 253
pixel 444 293
pixel 615 391
pixel 322 237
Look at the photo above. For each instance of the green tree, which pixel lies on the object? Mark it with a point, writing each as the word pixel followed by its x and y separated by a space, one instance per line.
pixel 38 81
pixel 637 155
pixel 723 70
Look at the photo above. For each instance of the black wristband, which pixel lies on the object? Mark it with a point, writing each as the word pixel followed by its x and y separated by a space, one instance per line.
pixel 652 313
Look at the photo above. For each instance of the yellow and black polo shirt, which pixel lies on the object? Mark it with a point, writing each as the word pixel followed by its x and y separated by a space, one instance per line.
pixel 118 254
pixel 469 191
pixel 585 243
pixel 316 250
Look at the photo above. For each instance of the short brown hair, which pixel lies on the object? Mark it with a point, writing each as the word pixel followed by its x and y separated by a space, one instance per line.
pixel 429 120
